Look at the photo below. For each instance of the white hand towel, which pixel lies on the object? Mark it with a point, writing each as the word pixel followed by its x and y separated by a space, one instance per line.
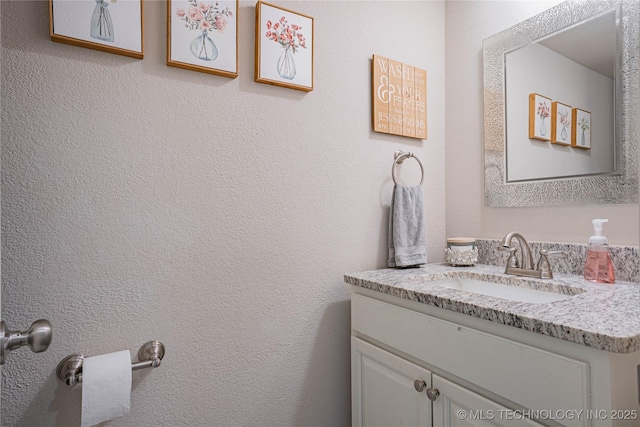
pixel 407 245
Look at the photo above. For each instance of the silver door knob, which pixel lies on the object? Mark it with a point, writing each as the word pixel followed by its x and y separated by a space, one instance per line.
pixel 432 394
pixel 38 338
pixel 419 385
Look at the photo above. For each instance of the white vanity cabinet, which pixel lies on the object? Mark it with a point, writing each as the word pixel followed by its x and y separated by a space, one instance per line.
pixel 485 374
pixel 456 406
pixel 385 394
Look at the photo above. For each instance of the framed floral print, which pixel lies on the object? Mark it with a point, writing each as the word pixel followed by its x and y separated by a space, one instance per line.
pixel 203 36
pixel 284 47
pixel 106 25
pixel 581 137
pixel 560 123
pixel 539 113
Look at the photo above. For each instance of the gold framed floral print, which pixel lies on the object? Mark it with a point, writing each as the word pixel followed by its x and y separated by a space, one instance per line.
pixel 203 36
pixel 284 47
pixel 105 25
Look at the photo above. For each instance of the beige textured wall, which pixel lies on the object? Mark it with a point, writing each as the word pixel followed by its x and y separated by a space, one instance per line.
pixel 468 23
pixel 145 202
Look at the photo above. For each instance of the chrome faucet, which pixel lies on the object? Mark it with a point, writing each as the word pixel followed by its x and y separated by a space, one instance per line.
pixel 527 258
pixel 525 268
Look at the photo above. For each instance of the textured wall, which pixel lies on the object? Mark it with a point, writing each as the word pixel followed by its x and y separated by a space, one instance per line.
pixel 466 213
pixel 145 202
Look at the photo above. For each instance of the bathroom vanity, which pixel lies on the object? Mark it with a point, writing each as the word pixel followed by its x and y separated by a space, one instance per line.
pixel 446 346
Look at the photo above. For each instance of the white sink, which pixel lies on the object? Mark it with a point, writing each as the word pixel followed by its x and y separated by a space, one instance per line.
pixel 512 293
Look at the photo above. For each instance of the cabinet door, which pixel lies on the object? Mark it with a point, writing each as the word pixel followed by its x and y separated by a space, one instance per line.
pixel 383 392
pixel 457 406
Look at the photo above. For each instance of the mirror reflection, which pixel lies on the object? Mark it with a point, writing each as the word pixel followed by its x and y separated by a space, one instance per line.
pixel 570 69
pixel 561 92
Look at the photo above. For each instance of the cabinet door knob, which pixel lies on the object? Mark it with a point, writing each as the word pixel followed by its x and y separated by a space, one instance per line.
pixel 432 394
pixel 419 385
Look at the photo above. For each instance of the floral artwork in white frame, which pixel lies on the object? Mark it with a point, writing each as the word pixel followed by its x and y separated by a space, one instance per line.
pixel 202 35
pixel 107 25
pixel 581 137
pixel 539 117
pixel 561 119
pixel 284 47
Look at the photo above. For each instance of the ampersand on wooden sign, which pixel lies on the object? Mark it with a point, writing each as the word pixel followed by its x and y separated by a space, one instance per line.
pixel 399 98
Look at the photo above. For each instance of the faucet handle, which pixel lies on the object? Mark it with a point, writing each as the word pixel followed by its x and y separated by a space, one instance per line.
pixel 545 253
pixel 553 253
pixel 543 263
pixel 512 261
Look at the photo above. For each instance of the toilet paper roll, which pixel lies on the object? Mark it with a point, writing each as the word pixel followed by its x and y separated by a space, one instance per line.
pixel 106 387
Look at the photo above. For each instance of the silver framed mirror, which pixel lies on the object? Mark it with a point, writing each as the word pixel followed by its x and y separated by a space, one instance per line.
pixel 617 182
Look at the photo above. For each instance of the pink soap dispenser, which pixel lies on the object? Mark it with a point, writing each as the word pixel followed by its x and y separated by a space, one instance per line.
pixel 598 267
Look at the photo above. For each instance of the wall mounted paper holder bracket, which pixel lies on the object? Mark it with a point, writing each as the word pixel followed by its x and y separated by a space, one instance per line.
pixel 69 369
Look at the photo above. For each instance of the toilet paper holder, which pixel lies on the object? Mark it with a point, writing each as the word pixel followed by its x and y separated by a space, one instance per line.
pixel 69 369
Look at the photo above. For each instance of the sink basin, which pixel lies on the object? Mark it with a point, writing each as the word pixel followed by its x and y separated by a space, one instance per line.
pixel 512 293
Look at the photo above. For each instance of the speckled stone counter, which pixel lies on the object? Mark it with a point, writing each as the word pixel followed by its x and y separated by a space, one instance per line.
pixel 603 316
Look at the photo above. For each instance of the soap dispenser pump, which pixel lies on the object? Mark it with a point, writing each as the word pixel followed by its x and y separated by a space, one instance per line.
pixel 598 267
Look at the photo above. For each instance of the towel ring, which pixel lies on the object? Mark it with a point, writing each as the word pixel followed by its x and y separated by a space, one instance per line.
pixel 400 156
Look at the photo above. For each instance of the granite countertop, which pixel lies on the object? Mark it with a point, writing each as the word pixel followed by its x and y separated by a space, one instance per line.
pixel 603 316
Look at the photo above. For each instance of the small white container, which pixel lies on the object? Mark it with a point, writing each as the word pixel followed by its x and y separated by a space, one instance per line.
pixel 461 251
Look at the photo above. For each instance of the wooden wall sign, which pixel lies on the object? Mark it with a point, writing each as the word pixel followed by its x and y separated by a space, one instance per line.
pixel 399 98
